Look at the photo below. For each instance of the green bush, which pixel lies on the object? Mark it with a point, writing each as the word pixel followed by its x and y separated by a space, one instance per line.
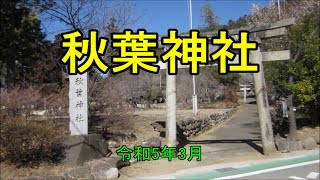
pixel 28 143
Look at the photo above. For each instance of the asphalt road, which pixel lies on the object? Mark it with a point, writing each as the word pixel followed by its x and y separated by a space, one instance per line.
pixel 307 171
pixel 298 168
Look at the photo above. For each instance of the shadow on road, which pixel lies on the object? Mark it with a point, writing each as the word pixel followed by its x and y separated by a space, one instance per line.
pixel 250 142
pixel 253 102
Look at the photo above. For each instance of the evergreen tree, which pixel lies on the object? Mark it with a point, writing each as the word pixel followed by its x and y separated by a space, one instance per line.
pixel 22 43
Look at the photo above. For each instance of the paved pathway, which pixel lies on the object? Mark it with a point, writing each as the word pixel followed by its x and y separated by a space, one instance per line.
pixel 239 136
pixel 237 139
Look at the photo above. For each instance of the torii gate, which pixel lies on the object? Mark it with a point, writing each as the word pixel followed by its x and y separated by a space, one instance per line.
pixel 244 88
pixel 258 34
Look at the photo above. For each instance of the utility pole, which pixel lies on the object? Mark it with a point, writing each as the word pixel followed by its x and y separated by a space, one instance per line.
pixel 279 13
pixel 160 83
pixel 284 6
pixel 194 96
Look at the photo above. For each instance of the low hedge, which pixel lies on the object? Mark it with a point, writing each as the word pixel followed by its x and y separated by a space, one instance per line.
pixel 28 143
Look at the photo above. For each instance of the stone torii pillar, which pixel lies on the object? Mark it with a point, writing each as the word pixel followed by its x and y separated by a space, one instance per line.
pixel 244 88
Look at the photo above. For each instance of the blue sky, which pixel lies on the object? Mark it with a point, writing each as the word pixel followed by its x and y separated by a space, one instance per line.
pixel 165 14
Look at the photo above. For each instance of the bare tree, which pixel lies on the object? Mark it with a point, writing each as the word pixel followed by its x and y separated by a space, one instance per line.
pixel 184 84
pixel 142 88
pixel 269 14
pixel 97 14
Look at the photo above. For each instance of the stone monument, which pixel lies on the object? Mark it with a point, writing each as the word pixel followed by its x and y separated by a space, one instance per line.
pixel 80 145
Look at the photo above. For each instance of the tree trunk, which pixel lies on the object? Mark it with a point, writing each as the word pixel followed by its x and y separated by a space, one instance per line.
pixel 291 117
pixel 315 116
pixel 292 120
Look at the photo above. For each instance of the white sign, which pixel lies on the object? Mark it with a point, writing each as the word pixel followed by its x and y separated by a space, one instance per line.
pixel 78 104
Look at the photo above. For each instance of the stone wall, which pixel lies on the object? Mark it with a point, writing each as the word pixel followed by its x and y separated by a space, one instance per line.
pixel 195 125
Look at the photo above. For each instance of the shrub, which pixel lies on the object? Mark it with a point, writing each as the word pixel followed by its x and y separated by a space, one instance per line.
pixel 231 99
pixel 109 110
pixel 14 101
pixel 28 143
pixel 22 100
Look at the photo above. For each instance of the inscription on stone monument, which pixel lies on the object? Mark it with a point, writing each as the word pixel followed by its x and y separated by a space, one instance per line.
pixel 78 104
